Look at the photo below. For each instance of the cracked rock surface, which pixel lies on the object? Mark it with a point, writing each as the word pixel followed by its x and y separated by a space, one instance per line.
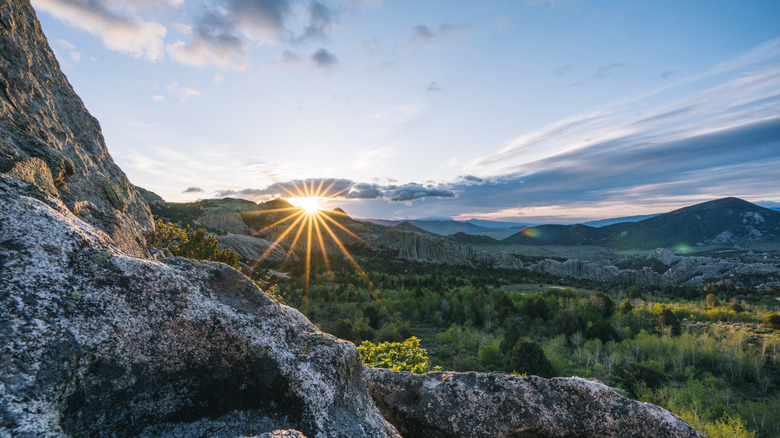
pixel 466 405
pixel 99 343
pixel 48 138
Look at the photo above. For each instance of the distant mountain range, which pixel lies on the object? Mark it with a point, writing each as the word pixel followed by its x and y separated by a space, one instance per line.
pixel 442 227
pixel 721 221
pixel 718 221
pixel 494 229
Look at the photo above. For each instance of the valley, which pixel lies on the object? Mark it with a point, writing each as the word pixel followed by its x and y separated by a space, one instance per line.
pixel 672 326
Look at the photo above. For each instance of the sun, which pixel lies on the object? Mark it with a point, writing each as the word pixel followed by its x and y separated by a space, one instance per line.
pixel 309 204
pixel 308 224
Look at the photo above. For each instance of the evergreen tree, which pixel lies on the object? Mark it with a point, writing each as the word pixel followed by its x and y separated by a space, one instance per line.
pixel 527 357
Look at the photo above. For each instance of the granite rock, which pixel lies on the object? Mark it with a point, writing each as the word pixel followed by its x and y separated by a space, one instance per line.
pixel 48 138
pixel 479 405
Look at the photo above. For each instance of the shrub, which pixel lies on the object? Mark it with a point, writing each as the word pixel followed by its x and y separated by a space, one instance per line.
pixel 625 307
pixel 602 330
pixel 528 357
pixel 198 245
pixel 667 320
pixel 397 356
pixel 341 329
pixel 602 304
pixel 567 323
pixel 772 321
pixel 489 355
pixel 712 301
pixel 636 376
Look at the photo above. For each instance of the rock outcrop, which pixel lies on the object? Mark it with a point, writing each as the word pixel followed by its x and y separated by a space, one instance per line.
pixel 682 270
pixel 252 248
pixel 98 343
pixel 49 139
pixel 478 405
pixel 421 246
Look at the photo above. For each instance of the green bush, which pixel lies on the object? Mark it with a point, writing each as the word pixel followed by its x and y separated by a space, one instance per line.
pixel 528 357
pixel 772 321
pixel 198 245
pixel 625 307
pixel 602 304
pixel 489 355
pixel 634 376
pixel 397 356
pixel 603 330
pixel 667 321
pixel 341 329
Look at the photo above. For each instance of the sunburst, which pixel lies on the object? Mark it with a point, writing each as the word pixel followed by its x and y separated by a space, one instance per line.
pixel 307 221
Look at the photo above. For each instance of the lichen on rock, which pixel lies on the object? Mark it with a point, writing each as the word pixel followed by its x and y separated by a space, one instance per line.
pixel 96 342
pixel 479 405
pixel 42 118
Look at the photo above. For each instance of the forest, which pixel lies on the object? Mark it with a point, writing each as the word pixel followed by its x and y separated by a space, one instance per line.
pixel 709 354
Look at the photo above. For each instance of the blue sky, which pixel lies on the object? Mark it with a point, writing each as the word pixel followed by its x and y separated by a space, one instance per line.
pixel 555 111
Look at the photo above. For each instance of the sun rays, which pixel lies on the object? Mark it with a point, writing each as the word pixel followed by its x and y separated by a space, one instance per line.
pixel 304 226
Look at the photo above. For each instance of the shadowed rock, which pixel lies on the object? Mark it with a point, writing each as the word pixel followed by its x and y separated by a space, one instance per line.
pixel 465 405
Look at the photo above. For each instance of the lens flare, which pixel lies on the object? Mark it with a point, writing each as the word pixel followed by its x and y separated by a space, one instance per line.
pixel 531 232
pixel 682 248
pixel 307 221
pixel 309 204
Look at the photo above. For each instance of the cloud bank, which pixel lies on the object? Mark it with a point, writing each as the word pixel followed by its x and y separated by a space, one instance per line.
pixel 344 189
pixel 720 140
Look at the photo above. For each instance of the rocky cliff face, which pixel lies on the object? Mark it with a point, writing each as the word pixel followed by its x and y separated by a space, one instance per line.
pixel 439 405
pixel 416 246
pixel 98 343
pixel 48 138
pixel 682 271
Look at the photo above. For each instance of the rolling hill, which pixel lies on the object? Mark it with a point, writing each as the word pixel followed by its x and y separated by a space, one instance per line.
pixel 727 220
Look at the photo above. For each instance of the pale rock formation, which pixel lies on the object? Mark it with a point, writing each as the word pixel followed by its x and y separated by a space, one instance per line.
pixel 252 248
pixel 422 247
pixel 225 219
pixel 479 405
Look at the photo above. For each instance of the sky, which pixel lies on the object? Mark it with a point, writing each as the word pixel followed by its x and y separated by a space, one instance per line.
pixel 528 111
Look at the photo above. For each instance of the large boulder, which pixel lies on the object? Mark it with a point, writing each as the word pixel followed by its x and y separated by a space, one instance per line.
pixel 478 405
pixel 98 343
pixel 49 139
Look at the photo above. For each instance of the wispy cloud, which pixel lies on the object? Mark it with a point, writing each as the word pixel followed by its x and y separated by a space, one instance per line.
pixel 214 41
pixel 424 35
pixel 124 33
pixel 290 59
pixel 319 19
pixel 324 59
pixel 602 72
pixel 181 92
pixel 433 87
pixel 262 21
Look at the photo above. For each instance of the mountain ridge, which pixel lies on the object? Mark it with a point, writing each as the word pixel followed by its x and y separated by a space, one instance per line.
pixel 724 220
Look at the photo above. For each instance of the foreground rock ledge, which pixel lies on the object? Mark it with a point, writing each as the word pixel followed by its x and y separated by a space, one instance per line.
pixel 98 343
pixel 465 405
